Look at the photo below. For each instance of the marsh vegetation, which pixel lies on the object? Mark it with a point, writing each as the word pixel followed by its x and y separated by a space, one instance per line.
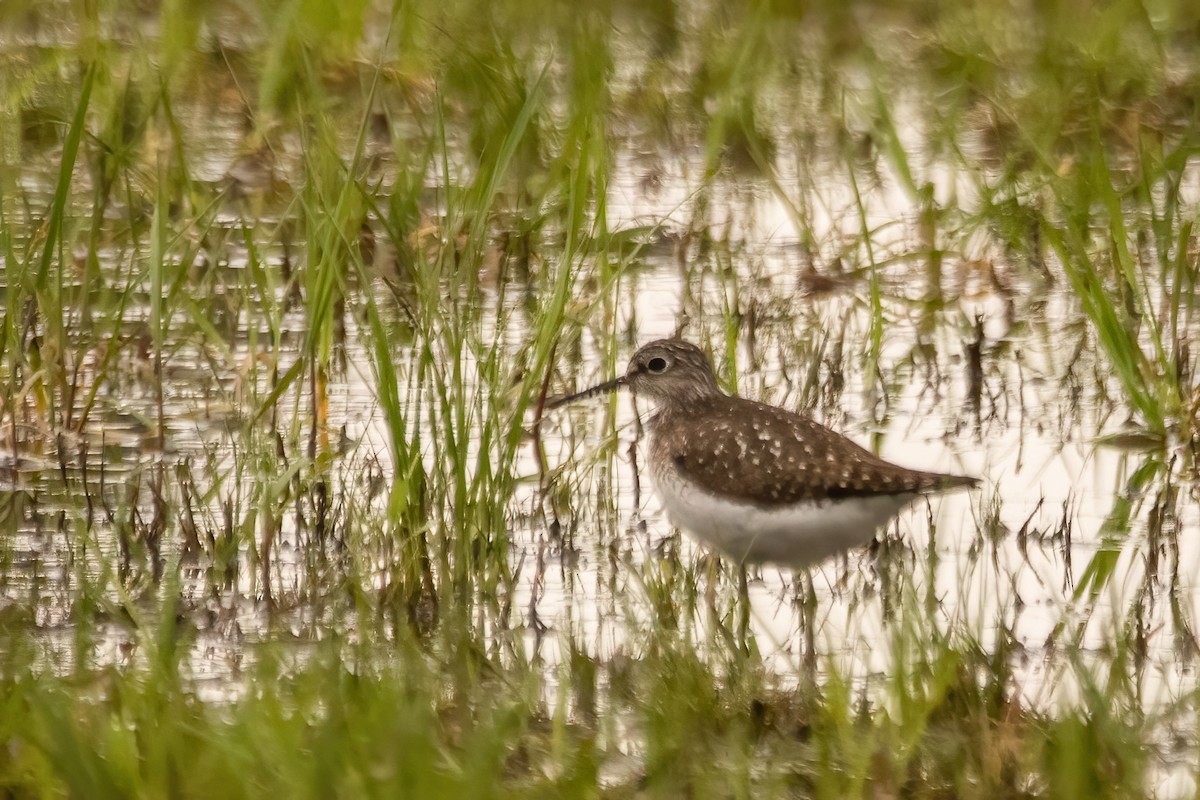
pixel 285 286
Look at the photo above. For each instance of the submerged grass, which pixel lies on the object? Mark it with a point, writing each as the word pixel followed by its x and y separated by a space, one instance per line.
pixel 281 302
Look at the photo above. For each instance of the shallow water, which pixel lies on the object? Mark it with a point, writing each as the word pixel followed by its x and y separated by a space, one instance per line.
pixel 1034 447
pixel 981 367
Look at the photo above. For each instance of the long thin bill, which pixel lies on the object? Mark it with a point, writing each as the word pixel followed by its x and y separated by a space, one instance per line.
pixel 603 388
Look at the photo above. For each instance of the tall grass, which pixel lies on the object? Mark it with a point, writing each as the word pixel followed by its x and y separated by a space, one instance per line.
pixel 285 286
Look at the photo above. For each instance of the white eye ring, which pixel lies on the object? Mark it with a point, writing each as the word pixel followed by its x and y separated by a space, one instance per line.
pixel 657 365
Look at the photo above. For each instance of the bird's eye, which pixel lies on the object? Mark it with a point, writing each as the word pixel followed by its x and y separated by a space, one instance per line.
pixel 657 365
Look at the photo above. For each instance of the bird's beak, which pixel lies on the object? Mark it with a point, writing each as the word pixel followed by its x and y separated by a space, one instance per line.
pixel 602 388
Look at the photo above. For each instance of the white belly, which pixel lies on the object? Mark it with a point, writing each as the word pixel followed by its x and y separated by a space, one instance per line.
pixel 795 537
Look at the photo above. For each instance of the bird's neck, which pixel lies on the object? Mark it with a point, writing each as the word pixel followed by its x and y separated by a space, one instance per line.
pixel 676 410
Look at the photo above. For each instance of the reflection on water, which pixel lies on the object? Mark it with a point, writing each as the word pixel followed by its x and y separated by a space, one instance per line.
pixel 888 306
pixel 1004 556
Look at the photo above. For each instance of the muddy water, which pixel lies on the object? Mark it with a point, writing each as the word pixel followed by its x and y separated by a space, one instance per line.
pixel 774 278
pixel 1005 558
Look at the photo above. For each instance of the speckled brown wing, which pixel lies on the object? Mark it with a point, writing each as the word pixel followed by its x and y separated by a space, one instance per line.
pixel 738 448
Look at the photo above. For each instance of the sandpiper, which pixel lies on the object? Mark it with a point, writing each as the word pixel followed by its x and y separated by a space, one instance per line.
pixel 759 483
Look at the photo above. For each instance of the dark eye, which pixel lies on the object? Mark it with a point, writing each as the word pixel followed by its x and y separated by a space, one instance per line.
pixel 657 365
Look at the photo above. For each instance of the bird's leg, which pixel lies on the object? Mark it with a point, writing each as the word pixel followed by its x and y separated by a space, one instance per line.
pixel 743 610
pixel 810 626
pixel 805 599
pixel 713 570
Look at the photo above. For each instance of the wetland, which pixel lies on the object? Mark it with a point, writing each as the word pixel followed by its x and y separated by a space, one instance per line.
pixel 287 288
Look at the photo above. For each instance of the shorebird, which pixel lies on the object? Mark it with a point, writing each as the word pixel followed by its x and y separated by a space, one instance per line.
pixel 759 483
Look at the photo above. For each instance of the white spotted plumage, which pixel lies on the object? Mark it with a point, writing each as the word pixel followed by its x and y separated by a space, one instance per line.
pixel 759 483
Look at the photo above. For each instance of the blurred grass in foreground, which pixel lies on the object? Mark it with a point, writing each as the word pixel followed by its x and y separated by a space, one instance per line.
pixel 206 206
